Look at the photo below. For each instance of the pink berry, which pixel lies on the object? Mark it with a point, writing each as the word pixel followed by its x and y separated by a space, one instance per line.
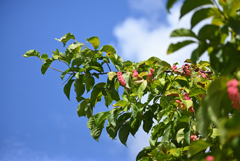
pixel 193 137
pixel 210 158
pixel 174 67
pixel 177 101
pixel 191 110
pixel 151 70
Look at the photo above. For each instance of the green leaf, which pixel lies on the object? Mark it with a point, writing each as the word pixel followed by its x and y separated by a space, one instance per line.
pixel 97 130
pixel 135 110
pixel 188 103
pixel 100 117
pixel 170 4
pixel 79 87
pixel 167 132
pixel 196 91
pixel 182 83
pixel 46 65
pixel 203 14
pixel 95 93
pixel 141 89
pixel 202 118
pixel 197 146
pixel 210 32
pixel 94 65
pixel 134 125
pixel 187 133
pixel 91 123
pixel 111 75
pixel 111 130
pixel 30 53
pixel 94 41
pixel 112 117
pixel 189 5
pixel 202 47
pixel 174 47
pixel 123 133
pixel 121 103
pixel 143 153
pixel 64 39
pixel 180 135
pixel 90 81
pixel 64 73
pixel 147 122
pixel 67 87
pixel 108 49
pixel 183 32
pixel 81 108
pixel 44 56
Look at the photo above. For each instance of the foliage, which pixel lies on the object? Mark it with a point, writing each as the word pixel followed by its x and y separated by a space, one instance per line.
pixel 192 112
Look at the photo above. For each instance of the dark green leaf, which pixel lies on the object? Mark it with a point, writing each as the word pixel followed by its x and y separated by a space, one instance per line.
pixel 94 41
pixel 90 81
pixel 135 110
pixel 202 47
pixel 97 130
pixel 183 32
pixel 111 130
pixel 31 53
pixel 123 133
pixel 46 65
pixel 187 133
pixel 79 87
pixel 67 87
pixel 147 122
pixel 81 108
pixel 174 47
pixel 189 5
pixel 170 4
pixel 197 146
pixel 143 153
pixel 134 126
pixel 203 14
pixel 100 117
pixel 112 117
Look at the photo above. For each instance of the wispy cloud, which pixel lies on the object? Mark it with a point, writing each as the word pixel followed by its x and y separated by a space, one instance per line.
pixel 12 150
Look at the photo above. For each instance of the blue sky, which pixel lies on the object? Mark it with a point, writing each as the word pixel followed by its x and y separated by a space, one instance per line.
pixel 38 122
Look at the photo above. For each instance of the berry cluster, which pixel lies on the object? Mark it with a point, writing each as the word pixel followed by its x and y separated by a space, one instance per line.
pixel 121 79
pixel 202 73
pixel 135 73
pixel 233 92
pixel 186 69
pixel 193 137
pixel 150 75
pixel 182 106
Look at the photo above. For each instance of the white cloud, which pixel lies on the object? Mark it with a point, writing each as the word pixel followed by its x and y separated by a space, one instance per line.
pixel 140 38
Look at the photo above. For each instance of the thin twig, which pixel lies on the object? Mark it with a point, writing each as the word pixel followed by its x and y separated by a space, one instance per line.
pixel 66 80
pixel 109 67
pixel 214 2
pixel 53 68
